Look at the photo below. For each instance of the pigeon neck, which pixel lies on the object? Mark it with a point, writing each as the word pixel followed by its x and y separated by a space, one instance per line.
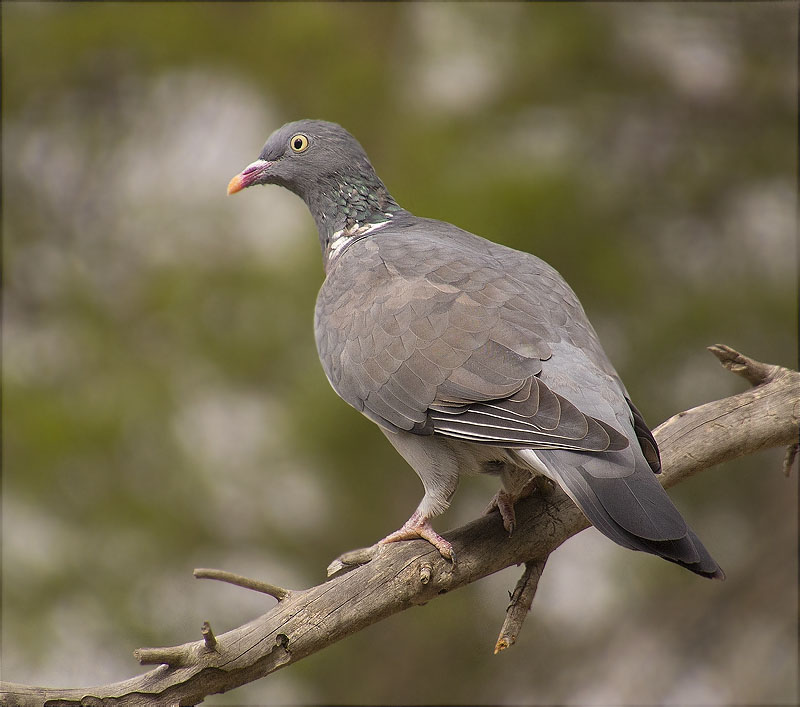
pixel 349 207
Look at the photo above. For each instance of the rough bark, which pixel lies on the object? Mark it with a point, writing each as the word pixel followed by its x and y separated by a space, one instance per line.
pixel 405 574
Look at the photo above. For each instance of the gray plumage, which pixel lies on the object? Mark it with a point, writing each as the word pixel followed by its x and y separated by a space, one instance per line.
pixel 470 356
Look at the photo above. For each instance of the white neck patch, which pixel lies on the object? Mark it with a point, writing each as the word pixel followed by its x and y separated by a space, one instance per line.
pixel 345 236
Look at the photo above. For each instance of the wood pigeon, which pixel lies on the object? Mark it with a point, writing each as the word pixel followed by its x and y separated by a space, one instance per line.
pixel 471 357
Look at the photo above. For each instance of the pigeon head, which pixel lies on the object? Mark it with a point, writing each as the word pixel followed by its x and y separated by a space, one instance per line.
pixel 300 153
pixel 327 167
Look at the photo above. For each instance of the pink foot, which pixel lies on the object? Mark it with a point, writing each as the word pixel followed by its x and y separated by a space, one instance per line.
pixel 418 527
pixel 504 503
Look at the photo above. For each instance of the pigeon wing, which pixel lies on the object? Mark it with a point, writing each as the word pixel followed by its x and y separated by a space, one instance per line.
pixel 432 338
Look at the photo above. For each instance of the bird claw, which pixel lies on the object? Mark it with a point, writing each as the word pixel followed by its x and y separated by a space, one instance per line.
pixel 418 527
pixel 504 503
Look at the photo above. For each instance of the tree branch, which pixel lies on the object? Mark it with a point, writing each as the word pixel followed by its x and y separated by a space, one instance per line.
pixel 760 418
pixel 256 585
pixel 521 600
pixel 406 574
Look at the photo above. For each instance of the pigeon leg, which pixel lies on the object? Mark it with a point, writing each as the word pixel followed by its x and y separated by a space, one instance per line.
pixel 504 503
pixel 417 526
pixel 504 500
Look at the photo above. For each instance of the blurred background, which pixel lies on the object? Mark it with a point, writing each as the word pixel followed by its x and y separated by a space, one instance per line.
pixel 163 407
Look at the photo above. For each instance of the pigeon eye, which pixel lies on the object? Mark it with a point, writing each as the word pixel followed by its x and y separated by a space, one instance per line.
pixel 299 143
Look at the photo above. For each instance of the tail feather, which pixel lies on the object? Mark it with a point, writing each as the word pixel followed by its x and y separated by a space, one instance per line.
pixel 639 504
pixel 632 509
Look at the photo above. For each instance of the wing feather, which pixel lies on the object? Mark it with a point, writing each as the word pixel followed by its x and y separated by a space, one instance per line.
pixel 447 342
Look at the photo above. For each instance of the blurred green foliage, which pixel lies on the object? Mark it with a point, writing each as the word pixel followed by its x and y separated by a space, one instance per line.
pixel 163 407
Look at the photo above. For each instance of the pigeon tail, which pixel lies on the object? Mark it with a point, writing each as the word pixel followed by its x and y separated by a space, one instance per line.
pixel 634 510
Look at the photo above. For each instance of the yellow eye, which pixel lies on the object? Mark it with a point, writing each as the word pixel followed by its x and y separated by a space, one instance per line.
pixel 299 143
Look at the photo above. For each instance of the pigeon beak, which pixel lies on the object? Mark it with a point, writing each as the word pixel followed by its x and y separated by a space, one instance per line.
pixel 250 175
